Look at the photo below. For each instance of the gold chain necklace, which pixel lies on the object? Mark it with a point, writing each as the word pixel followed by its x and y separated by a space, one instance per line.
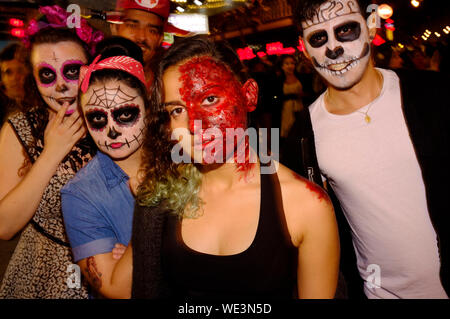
pixel 367 117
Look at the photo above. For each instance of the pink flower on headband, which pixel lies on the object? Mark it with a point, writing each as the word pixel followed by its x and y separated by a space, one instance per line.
pixel 57 18
pixel 123 63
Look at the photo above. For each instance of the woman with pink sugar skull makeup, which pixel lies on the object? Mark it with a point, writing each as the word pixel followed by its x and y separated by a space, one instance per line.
pixel 40 150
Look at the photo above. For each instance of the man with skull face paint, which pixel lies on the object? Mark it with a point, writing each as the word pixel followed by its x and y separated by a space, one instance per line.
pixel 366 137
pixel 98 202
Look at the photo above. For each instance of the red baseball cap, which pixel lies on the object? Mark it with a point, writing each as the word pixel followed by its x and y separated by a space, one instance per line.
pixel 158 7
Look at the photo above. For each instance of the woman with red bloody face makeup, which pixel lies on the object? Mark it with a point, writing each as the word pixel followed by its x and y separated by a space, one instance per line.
pixel 40 150
pixel 224 226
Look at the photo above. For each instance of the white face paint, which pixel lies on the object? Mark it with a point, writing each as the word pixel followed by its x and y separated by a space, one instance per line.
pixel 56 68
pixel 338 42
pixel 114 114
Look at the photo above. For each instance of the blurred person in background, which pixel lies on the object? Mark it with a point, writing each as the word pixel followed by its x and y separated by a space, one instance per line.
pixel 313 85
pixel 13 70
pixel 387 57
pixel 292 93
pixel 143 22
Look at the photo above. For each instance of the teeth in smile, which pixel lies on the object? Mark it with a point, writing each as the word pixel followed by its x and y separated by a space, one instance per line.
pixel 338 67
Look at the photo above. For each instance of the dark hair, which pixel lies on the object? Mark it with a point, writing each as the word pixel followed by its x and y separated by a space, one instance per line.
pixel 305 9
pixel 12 51
pixel 280 62
pixel 176 186
pixel 52 36
pixel 56 35
pixel 119 46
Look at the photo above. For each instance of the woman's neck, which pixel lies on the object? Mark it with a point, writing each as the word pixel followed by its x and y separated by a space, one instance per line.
pixel 131 164
pixel 221 177
pixel 290 78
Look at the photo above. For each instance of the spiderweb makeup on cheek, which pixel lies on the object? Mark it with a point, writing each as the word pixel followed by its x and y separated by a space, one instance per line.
pixel 114 119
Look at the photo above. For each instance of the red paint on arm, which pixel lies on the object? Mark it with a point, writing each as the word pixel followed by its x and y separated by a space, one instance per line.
pixel 313 187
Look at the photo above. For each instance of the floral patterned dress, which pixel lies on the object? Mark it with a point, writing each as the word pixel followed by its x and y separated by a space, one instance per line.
pixel 41 265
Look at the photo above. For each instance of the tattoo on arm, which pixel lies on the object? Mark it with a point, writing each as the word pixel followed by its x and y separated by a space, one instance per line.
pixel 94 276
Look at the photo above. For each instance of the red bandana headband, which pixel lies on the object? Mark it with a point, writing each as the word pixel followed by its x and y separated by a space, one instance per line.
pixel 124 63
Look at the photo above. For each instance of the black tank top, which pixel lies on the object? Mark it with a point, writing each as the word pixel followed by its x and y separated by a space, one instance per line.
pixel 268 268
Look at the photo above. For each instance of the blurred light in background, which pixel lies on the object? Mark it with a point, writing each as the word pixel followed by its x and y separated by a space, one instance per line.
pixel 17 32
pixel 385 11
pixel 197 23
pixel 16 22
pixel 415 3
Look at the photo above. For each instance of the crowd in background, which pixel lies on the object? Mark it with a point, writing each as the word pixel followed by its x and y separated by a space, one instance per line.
pixel 267 71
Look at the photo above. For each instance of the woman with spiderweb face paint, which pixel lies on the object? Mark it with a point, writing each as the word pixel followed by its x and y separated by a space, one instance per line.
pixel 98 203
pixel 114 114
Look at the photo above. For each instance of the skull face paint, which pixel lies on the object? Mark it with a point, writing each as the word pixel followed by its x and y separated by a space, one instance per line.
pixel 206 90
pixel 337 40
pixel 56 68
pixel 114 114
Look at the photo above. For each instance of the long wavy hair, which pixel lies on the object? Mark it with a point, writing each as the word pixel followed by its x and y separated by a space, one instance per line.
pixel 164 182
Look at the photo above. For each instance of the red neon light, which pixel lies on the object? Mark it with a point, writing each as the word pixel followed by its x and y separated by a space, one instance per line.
pixel 277 48
pixel 389 21
pixel 301 45
pixel 17 32
pixel 274 48
pixel 378 40
pixel 246 53
pixel 166 45
pixel 261 54
pixel 16 22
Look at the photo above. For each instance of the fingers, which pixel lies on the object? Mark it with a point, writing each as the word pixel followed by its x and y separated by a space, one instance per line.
pixel 118 251
pixel 79 134
pixel 70 120
pixel 62 112
pixel 51 116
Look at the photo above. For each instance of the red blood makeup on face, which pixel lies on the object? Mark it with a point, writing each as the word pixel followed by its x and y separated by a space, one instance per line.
pixel 213 95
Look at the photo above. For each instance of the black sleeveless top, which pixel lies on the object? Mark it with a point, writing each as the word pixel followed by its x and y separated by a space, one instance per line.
pixel 268 268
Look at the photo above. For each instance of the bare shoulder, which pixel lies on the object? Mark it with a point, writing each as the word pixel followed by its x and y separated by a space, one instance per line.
pixel 305 203
pixel 301 190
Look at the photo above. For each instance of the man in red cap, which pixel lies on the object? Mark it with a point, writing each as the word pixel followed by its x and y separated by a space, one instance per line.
pixel 143 22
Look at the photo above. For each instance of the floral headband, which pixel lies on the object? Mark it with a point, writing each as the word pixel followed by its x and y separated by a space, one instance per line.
pixel 57 18
pixel 124 63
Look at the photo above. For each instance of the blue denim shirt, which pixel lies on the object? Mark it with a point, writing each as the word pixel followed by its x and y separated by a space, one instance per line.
pixel 97 206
